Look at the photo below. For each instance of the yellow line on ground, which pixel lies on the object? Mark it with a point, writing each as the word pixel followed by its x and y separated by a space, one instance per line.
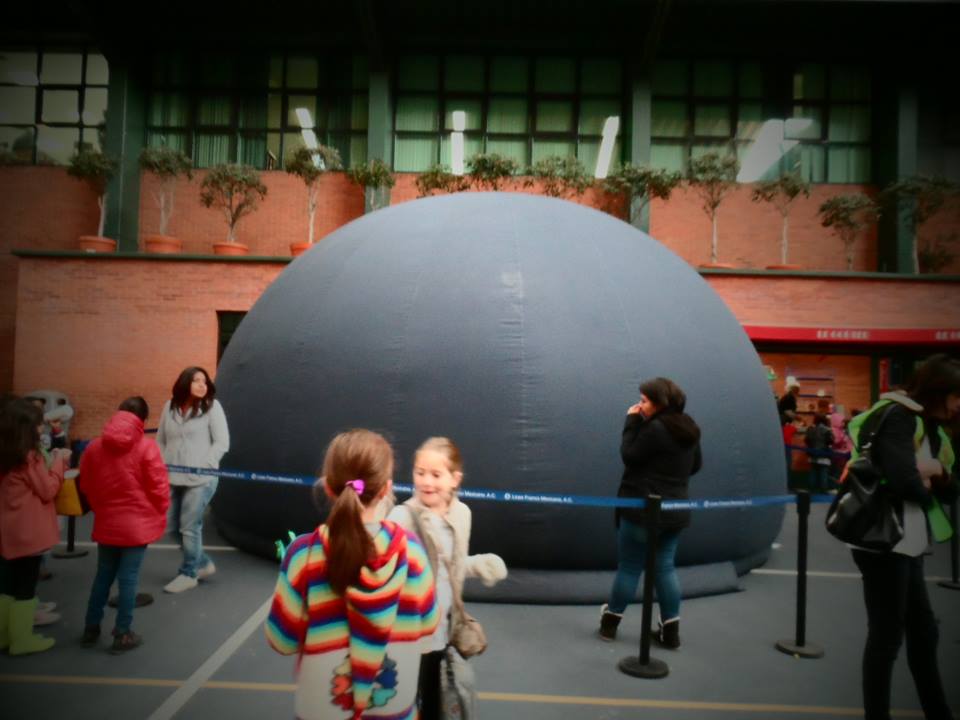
pixel 486 696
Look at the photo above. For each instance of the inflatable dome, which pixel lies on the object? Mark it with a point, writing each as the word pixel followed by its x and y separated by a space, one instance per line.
pixel 520 326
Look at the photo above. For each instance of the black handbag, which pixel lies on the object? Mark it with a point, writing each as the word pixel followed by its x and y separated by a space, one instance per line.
pixel 863 513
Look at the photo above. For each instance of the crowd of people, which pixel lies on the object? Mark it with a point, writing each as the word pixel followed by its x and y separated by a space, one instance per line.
pixel 371 600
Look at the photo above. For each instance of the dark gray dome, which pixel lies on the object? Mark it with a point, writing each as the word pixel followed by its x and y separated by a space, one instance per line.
pixel 520 326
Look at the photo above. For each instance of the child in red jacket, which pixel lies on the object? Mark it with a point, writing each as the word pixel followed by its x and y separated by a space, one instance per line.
pixel 28 521
pixel 125 481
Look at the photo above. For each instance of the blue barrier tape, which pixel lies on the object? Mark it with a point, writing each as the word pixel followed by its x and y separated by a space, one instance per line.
pixel 819 452
pixel 528 497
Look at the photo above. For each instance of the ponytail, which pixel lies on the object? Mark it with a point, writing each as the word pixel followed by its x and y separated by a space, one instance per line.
pixel 353 455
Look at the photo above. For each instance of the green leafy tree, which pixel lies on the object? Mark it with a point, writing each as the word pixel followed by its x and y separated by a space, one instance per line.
pixel 376 178
pixel 782 193
pixel 96 169
pixel 167 165
pixel 438 179
pixel 640 184
pixel 713 176
pixel 488 171
pixel 559 176
pixel 310 165
pixel 235 190
pixel 848 216
pixel 925 197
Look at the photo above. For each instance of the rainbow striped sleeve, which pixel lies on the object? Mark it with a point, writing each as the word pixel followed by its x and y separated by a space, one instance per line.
pixel 418 614
pixel 286 626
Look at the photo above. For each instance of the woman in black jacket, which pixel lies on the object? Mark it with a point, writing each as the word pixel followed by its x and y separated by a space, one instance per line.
pixel 660 448
pixel 917 460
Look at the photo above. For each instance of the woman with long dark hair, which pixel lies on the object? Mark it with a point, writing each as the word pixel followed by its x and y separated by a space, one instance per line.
pixel 916 457
pixel 193 433
pixel 660 448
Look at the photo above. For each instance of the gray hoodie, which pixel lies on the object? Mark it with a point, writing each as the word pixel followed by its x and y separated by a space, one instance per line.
pixel 198 441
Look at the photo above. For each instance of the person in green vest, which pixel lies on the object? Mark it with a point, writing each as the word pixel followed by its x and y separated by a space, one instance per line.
pixel 916 457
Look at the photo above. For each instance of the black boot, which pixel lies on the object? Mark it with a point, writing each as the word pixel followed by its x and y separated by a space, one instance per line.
pixel 668 634
pixel 609 622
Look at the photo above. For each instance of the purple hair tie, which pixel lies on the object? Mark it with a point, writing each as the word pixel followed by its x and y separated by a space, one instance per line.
pixel 357 485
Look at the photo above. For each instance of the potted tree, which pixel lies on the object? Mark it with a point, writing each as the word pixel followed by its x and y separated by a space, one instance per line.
pixel 235 191
pixel 713 176
pixel 438 179
pixel 96 169
pixel 489 171
pixel 376 179
pixel 848 216
pixel 310 165
pixel 640 185
pixel 559 176
pixel 166 164
pixel 925 195
pixel 782 193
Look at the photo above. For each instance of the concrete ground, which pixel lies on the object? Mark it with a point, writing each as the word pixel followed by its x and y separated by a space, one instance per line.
pixel 204 655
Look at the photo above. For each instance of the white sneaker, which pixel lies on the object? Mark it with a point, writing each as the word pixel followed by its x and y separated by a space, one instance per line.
pixel 44 617
pixel 180 583
pixel 206 571
pixel 49 606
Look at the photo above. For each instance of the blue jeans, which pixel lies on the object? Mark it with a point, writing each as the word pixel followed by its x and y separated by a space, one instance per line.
pixel 819 478
pixel 631 561
pixel 123 565
pixel 185 521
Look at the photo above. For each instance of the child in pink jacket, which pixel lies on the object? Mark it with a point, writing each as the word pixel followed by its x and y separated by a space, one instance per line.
pixel 28 521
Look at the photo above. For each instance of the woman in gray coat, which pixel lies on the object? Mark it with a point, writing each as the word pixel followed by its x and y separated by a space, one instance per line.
pixel 192 433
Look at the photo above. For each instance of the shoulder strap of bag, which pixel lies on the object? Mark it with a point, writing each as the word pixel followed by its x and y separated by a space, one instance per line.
pixel 865 439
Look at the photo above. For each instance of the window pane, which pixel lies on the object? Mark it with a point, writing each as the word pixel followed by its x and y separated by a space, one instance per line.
pixel 18 142
pixel 61 106
pixel 758 161
pixel 276 71
pixel 508 74
pixel 173 140
pixel 253 112
pixel 554 116
pixel 809 160
pixel 670 78
pixel 471 146
pixel 806 124
pixel 414 154
pixel 214 111
pixel 507 115
pixel 555 75
pixel 668 157
pixel 600 76
pixel 292 141
pixel 589 151
pixel 168 109
pixel 274 111
pixel 349 112
pixel 712 79
pixel 302 111
pixel 594 113
pixel 849 123
pixel 359 112
pixel 92 138
pixel 17 105
pixel 472 109
pixel 56 145
pixel 697 151
pixel 417 73
pixel 848 165
pixel 417 113
pixel 97 70
pixel 18 68
pixel 463 73
pixel 516 149
pixel 212 150
pixel 849 83
pixel 749 120
pixel 61 68
pixel 302 72
pixel 711 120
pixel 253 150
pixel 751 81
pixel 95 106
pixel 553 148
pixel 358 151
pixel 808 82
pixel 669 119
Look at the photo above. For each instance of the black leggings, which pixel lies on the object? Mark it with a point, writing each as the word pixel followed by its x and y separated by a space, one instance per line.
pixel 898 605
pixel 20 577
pixel 429 685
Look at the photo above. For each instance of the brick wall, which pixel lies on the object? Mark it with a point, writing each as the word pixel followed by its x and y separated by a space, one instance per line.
pixel 851 373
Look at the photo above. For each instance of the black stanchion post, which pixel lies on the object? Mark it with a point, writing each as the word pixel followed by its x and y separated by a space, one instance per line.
pixel 954 582
pixel 70 552
pixel 800 648
pixel 644 666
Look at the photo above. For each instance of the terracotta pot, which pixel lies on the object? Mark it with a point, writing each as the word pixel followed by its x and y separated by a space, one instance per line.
pixel 718 266
pixel 784 266
pixel 226 248
pixel 299 248
pixel 162 244
pixel 97 244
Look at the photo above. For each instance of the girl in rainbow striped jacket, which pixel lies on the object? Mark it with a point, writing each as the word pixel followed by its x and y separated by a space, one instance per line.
pixel 356 598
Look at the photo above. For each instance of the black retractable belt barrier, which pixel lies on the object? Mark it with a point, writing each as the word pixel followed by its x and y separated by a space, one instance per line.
pixel 954 582
pixel 801 648
pixel 644 666
pixel 70 552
